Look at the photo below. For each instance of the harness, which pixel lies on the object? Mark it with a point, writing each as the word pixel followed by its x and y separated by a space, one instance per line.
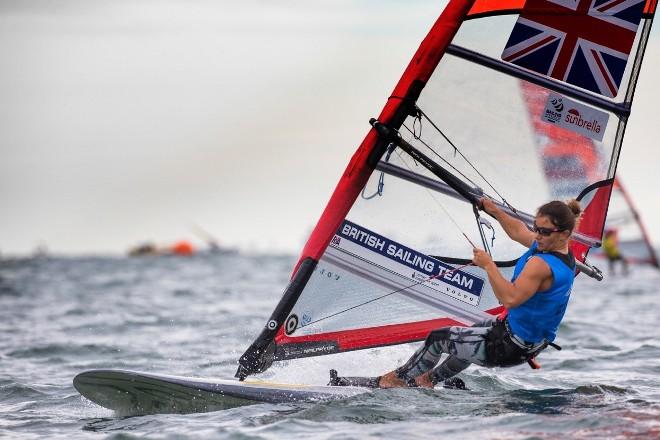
pixel 503 351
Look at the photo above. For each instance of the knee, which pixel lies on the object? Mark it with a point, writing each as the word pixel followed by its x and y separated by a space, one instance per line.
pixel 438 335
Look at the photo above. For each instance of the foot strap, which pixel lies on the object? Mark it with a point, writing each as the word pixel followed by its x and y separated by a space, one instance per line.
pixel 455 383
pixel 373 382
pixel 342 381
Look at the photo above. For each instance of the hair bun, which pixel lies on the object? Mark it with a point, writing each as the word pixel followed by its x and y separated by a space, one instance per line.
pixel 574 206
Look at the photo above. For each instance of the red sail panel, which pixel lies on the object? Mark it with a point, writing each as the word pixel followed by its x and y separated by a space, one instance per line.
pixel 373 336
pixel 592 222
pixel 367 337
pixel 484 8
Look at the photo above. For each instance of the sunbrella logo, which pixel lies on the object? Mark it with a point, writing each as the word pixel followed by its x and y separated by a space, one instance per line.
pixel 574 116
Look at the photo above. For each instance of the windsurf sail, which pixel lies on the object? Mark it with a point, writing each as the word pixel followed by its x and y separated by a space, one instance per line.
pixel 389 259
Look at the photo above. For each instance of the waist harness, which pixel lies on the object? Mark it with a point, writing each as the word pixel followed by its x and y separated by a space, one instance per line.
pixel 502 351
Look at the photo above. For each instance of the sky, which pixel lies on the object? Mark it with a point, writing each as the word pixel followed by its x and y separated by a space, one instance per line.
pixel 143 120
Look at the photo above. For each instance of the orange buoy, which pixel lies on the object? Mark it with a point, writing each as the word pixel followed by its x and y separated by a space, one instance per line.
pixel 182 247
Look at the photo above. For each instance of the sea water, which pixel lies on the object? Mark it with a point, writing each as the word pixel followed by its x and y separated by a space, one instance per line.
pixel 195 316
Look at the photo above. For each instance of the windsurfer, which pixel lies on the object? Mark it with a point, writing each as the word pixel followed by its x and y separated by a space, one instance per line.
pixel 535 301
pixel 612 251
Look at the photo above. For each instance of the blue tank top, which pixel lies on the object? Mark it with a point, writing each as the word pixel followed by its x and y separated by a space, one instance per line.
pixel 538 318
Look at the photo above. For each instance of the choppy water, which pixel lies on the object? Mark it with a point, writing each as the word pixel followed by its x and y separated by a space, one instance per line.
pixel 195 316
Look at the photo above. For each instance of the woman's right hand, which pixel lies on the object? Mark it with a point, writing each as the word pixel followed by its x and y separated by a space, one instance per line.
pixel 489 206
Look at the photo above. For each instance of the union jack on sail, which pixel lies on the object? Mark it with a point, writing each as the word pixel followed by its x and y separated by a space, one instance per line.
pixel 589 49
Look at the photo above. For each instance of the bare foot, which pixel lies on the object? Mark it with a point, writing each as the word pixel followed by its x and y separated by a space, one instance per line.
pixel 424 381
pixel 390 380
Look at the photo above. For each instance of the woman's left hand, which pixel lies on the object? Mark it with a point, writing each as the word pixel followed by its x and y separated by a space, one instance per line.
pixel 481 258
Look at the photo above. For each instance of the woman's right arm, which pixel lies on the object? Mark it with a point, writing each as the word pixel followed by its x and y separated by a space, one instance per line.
pixel 514 228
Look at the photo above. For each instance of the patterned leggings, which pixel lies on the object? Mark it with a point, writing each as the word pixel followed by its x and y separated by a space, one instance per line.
pixel 464 345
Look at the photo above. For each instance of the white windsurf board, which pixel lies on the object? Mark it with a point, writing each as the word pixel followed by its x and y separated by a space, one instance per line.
pixel 133 392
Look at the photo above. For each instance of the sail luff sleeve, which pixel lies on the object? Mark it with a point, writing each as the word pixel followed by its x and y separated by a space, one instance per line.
pixel 258 356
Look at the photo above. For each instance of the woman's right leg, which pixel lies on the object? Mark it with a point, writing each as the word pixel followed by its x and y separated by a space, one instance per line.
pixel 465 345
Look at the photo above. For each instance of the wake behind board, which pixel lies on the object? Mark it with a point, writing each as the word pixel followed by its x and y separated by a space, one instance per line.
pixel 132 392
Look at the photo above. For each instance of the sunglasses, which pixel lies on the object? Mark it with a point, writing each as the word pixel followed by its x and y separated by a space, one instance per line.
pixel 546 232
